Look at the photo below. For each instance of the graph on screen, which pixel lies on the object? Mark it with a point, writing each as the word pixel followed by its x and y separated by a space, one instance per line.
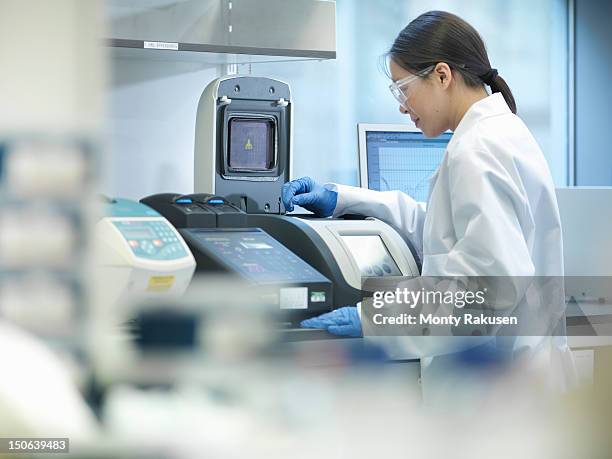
pixel 403 161
pixel 408 169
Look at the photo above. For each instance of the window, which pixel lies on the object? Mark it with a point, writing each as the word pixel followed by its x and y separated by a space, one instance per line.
pixel 527 43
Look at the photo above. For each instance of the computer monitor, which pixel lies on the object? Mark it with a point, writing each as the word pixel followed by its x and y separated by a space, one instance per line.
pixel 398 157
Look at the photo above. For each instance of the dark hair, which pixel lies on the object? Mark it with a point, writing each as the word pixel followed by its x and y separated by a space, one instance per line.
pixel 438 36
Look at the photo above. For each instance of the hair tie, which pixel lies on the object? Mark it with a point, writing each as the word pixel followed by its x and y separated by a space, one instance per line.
pixel 489 77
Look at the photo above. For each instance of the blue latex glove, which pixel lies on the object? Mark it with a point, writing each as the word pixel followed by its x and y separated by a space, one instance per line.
pixel 342 321
pixel 307 193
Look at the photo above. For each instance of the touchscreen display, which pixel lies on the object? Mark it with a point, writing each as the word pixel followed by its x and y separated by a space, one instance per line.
pixel 372 256
pixel 251 144
pixel 255 255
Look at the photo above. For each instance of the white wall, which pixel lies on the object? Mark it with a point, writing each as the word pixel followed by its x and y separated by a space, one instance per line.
pixel 153 106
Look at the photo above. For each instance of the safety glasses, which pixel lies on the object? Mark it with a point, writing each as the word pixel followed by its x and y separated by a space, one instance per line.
pixel 397 87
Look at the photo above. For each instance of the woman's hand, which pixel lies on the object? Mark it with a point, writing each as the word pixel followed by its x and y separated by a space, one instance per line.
pixel 342 321
pixel 307 193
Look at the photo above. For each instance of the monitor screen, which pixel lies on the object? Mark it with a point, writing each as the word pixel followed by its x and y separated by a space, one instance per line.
pixel 371 256
pixel 403 161
pixel 255 255
pixel 251 144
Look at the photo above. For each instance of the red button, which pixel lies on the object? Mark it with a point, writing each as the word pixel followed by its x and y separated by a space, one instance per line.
pixel 133 243
pixel 157 243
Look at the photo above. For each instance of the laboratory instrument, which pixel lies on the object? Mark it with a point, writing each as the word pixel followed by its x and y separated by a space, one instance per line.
pixel 139 253
pixel 243 141
pixel 243 153
pixel 221 241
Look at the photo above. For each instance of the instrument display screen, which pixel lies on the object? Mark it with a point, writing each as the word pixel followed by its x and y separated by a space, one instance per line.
pixel 251 144
pixel 371 256
pixel 256 255
pixel 153 239
pixel 141 232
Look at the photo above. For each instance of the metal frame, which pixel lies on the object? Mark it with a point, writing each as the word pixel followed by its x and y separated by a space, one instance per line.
pixel 232 172
pixel 309 54
pixel 571 88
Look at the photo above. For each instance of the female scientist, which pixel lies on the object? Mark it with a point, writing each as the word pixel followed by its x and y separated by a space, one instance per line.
pixel 491 209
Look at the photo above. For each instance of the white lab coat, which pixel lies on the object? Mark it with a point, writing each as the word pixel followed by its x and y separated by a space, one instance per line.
pixel 491 211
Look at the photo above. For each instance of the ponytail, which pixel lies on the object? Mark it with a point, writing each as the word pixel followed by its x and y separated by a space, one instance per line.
pixel 498 84
pixel 438 36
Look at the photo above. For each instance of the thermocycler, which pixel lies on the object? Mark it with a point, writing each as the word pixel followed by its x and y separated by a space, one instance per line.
pixel 243 152
pixel 242 140
pixel 217 233
pixel 139 253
